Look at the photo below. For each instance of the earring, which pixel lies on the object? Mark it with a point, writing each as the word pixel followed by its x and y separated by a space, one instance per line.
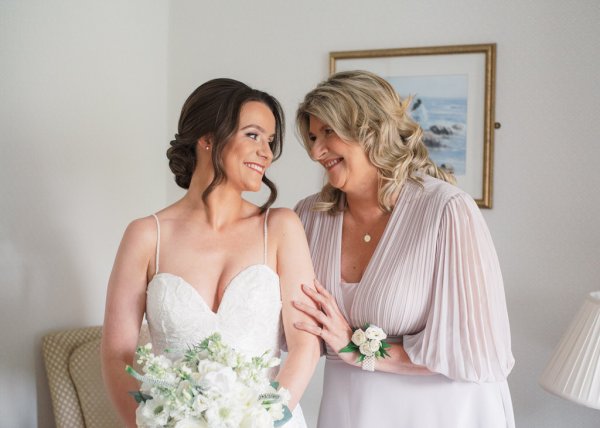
pixel 207 147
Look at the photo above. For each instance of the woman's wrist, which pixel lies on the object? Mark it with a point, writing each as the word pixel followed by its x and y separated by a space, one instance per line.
pixel 368 345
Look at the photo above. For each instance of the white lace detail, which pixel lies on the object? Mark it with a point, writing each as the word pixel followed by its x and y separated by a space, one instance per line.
pixel 248 318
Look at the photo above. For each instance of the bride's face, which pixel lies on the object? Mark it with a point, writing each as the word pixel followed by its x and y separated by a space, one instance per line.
pixel 247 154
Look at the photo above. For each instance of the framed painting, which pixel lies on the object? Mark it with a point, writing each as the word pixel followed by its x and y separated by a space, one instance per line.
pixel 452 90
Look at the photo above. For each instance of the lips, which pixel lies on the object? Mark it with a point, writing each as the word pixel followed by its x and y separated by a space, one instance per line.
pixel 256 167
pixel 328 164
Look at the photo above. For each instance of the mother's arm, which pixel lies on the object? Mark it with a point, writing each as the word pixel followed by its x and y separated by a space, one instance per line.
pixel 294 267
pixel 125 306
pixel 336 332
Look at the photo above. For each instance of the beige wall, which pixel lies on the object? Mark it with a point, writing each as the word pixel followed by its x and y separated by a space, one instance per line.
pixel 89 97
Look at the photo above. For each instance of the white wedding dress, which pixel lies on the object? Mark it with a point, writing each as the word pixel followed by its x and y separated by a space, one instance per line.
pixel 248 318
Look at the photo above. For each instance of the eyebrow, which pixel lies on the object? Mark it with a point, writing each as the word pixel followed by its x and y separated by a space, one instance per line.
pixel 320 129
pixel 260 128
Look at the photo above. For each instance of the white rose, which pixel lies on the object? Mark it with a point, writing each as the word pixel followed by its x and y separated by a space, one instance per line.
pixel 222 380
pixel 359 337
pixel 374 345
pixel 207 366
pixel 374 332
pixel 190 422
pixel 365 349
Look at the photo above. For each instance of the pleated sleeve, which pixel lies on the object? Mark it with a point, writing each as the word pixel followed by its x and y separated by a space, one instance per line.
pixel 467 334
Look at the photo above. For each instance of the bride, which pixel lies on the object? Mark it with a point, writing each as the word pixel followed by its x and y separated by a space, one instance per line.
pixel 213 261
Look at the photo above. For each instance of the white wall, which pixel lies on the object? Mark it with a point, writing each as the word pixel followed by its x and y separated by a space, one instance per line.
pixel 82 119
pixel 90 93
pixel 546 176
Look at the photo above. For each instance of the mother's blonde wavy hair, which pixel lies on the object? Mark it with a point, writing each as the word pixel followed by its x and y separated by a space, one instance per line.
pixel 364 108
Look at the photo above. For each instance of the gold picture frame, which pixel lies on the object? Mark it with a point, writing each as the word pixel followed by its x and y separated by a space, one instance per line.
pixel 464 78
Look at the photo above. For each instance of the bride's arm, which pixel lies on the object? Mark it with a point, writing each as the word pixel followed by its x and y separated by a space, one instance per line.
pixel 294 267
pixel 125 306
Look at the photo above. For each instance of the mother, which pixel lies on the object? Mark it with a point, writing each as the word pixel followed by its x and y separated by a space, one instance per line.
pixel 398 246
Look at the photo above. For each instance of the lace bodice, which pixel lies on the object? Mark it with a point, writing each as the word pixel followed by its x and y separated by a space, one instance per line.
pixel 248 317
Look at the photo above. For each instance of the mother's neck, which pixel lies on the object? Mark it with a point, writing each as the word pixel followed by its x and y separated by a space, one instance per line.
pixel 363 204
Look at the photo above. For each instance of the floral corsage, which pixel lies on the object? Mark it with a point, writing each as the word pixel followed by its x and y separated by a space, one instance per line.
pixel 370 344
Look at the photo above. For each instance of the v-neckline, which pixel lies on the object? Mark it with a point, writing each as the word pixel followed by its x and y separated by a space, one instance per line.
pixel 368 268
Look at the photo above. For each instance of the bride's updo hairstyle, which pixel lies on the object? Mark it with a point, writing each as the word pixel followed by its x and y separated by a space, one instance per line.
pixel 213 110
pixel 364 108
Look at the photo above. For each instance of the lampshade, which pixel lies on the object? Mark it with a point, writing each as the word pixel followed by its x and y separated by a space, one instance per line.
pixel 574 370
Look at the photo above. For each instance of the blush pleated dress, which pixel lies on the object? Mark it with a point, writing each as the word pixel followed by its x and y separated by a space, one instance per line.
pixel 434 284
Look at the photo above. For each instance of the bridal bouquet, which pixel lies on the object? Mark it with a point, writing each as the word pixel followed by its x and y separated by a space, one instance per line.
pixel 212 385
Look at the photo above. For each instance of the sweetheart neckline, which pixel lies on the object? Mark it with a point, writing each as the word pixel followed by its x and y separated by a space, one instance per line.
pixel 227 287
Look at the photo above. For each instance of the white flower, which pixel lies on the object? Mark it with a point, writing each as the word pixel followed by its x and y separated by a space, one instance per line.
pixel 231 360
pixel 207 366
pixel 374 332
pixel 374 345
pixel 274 362
pixel 365 349
pixel 258 418
pixel 213 385
pixel 152 413
pixel 221 381
pixel 359 337
pixel 200 404
pixel 225 412
pixel 185 391
pixel 190 422
pixel 276 411
pixel 286 396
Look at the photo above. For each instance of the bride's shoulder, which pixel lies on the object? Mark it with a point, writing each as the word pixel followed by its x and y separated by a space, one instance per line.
pixel 283 221
pixel 283 217
pixel 141 232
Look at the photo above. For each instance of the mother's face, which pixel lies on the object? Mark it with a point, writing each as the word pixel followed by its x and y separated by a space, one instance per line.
pixel 347 165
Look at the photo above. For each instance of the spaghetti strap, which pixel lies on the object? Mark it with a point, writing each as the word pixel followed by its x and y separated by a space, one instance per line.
pixel 265 235
pixel 157 242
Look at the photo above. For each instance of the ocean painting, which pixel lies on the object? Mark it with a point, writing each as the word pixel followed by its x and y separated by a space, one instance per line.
pixel 440 106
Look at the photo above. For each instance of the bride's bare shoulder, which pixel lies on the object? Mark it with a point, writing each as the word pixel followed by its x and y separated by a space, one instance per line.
pixel 141 232
pixel 284 222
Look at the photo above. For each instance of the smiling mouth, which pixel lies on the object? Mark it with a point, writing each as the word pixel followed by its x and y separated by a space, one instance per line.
pixel 332 162
pixel 256 167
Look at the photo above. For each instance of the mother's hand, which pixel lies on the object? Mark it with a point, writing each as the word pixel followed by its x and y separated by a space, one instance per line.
pixel 333 327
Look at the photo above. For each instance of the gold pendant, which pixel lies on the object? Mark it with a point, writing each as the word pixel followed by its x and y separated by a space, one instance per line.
pixel 367 237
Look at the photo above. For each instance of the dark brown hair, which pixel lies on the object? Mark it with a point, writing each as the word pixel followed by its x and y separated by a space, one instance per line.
pixel 213 109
